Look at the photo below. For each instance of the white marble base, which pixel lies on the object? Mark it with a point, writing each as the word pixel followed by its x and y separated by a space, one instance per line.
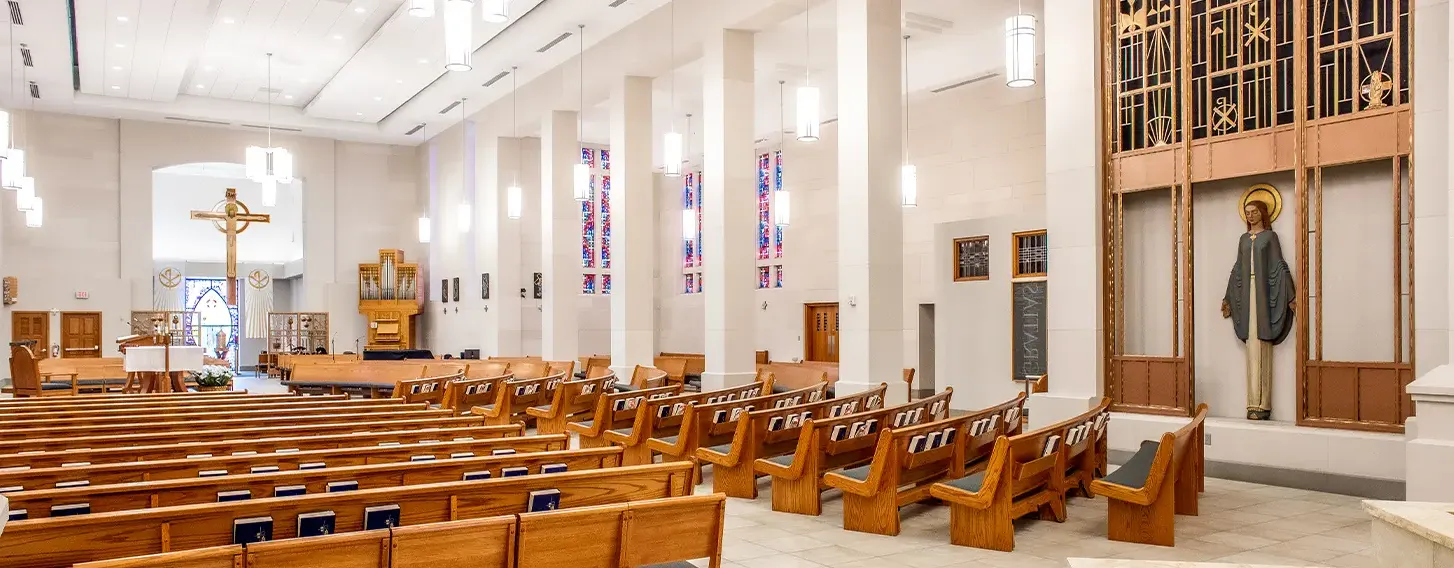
pixel 1125 563
pixel 1412 534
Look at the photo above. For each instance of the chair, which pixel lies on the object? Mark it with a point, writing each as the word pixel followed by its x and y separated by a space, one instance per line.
pixel 25 376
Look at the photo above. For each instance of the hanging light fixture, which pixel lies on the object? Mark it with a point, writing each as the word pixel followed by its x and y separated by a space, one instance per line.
pixel 421 9
pixel 25 201
pixel 35 216
pixel 514 196
pixel 13 169
pixel 497 11
pixel 465 214
pixel 269 165
pixel 1020 49
pixel 671 153
pixel 909 182
pixel 424 226
pixel 458 38
pixel 582 170
pixel 782 203
pixel 809 121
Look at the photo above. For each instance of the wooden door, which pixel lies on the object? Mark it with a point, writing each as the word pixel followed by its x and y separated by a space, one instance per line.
pixel 32 326
pixel 80 335
pixel 820 336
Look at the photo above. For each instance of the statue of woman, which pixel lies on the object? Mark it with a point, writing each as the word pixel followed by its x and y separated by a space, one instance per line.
pixel 1259 300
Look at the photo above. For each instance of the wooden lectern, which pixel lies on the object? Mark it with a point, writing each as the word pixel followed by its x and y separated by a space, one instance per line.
pixel 150 381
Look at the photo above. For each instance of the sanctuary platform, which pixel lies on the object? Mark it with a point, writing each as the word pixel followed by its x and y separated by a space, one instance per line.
pixel 1412 534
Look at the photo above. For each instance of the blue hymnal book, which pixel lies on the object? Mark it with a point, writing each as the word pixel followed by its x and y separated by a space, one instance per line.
pixel 553 468
pixel 313 465
pixel 474 475
pixel 19 514
pixel 336 486
pixel 265 469
pixel 544 500
pixel 70 510
pixel 240 495
pixel 315 524
pixel 504 452
pixel 290 490
pixel 212 473
pixel 255 529
pixel 514 471
pixel 381 517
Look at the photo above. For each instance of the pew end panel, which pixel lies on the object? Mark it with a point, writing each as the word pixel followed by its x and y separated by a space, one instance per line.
pixel 1161 480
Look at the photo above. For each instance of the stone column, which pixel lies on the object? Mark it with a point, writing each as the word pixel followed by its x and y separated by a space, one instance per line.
pixel 560 233
pixel 633 260
pixel 499 246
pixel 1072 206
pixel 730 210
pixel 870 219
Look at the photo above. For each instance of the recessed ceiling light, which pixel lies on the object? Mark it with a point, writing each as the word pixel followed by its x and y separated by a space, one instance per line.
pixel 207 67
pixel 289 97
pixel 398 81
pixel 378 98
pixel 116 87
pixel 358 114
pixel 337 36
pixel 228 21
pixel 360 9
pixel 115 67
pixel 423 60
pixel 123 19
pixel 201 86
pixel 121 45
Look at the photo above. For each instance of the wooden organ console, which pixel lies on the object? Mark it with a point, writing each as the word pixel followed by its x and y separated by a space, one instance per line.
pixel 389 298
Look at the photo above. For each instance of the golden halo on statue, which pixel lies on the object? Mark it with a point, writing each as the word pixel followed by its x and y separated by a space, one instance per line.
pixel 1265 193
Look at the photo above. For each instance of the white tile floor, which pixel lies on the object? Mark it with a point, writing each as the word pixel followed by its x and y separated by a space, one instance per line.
pixel 1240 522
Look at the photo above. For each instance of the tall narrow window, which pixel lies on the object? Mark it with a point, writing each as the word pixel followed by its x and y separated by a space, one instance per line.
pixel 764 206
pixel 596 221
pixel 588 215
pixel 605 215
pixel 778 186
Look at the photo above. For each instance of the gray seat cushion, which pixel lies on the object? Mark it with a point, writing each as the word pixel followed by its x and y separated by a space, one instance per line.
pixel 723 449
pixel 489 407
pixel 970 483
pixel 65 386
pixel 100 382
pixel 669 439
pixel 1134 472
pixel 858 473
pixel 625 387
pixel 785 461
pixel 586 423
pixel 622 431
pixel 545 408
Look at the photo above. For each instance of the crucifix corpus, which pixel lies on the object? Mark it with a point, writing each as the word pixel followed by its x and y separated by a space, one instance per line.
pixel 231 217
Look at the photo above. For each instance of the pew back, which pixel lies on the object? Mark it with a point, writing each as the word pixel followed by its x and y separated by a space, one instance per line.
pixel 428 390
pixel 123 440
pixel 473 543
pixel 461 395
pixel 140 425
pixel 384 407
pixel 572 398
pixel 627 534
pixel 615 411
pixel 486 369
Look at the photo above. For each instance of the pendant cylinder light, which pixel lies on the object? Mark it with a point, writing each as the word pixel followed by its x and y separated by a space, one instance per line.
pixel 424 229
pixel 497 11
pixel 12 169
pixel 783 208
pixel 909 177
pixel 672 154
pixel 458 38
pixel 689 224
pixel 268 165
pixel 36 215
pixel 270 192
pixel 1020 51
pixel 421 9
pixel 25 201
pixel 514 201
pixel 809 124
pixel 514 196
pixel 582 182
pixel 582 171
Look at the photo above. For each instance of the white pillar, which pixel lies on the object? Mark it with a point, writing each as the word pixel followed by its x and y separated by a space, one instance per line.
pixel 1072 206
pixel 730 211
pixel 560 234
pixel 633 260
pixel 499 243
pixel 870 219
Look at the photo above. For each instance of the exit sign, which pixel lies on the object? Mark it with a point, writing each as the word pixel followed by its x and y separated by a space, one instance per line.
pixel 83 295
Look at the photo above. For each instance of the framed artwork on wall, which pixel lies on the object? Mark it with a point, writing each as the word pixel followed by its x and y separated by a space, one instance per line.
pixel 485 286
pixel 456 289
pixel 539 285
pixel 444 290
pixel 971 258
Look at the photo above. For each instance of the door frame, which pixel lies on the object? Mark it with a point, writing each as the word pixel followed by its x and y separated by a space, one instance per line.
pixel 808 325
pixel 101 323
pixel 42 349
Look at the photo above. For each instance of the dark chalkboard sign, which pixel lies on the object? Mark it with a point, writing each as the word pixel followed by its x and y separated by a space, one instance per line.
pixel 1029 328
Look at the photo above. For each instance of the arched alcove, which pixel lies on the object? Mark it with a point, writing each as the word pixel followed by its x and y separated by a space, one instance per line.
pixel 178 190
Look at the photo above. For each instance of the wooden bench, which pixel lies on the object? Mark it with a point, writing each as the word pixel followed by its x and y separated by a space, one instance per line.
pixel 330 401
pixel 792 376
pixel 825 443
pixel 196 414
pixel 462 395
pixel 656 416
pixel 674 367
pixel 515 395
pixel 243 462
pixel 1025 473
pixel 571 399
pixel 373 379
pixel 148 400
pixel 908 460
pixel 259 445
pixel 139 424
pixel 586 363
pixel 428 390
pixel 771 432
pixel 713 422
pixel 637 533
pixel 486 369
pixel 200 490
pixel 1161 480
pixel 123 440
pixel 615 411
pixel 66 540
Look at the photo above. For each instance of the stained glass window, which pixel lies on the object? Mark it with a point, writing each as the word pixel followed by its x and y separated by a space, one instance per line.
pixel 689 246
pixel 208 297
pixel 764 205
pixel 699 220
pixel 588 283
pixel 763 276
pixel 605 283
pixel 605 217
pixel 778 276
pixel 605 159
pixel 700 280
pixel 778 186
pixel 588 155
pixel 691 284
pixel 588 230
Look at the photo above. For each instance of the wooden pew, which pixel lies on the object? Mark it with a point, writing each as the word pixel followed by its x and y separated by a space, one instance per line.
pixel 140 424
pixel 798 375
pixel 516 395
pixel 710 423
pixel 1160 481
pixel 645 378
pixel 373 379
pixel 472 543
pixel 149 400
pixel 1024 474
pixel 486 369
pixel 289 362
pixel 462 395
pixel 662 414
pixel 363 549
pixel 586 363
pixel 797 476
pixel 331 401
pixel 637 533
pixel 734 463
pixel 428 390
pixel 259 445
pixel 907 461
pixel 201 490
pixel 123 440
pixel 66 540
pixel 615 411
pixel 696 363
pixel 194 415
pixel 674 367
pixel 230 556
pixel 187 468
pixel 571 399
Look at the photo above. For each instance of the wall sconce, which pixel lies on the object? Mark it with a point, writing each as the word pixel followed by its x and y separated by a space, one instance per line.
pixel 764 306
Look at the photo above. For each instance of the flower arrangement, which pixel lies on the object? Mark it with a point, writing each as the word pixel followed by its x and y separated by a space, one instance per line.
pixel 213 376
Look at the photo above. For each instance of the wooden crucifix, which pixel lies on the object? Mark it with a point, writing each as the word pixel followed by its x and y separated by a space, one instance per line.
pixel 231 217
